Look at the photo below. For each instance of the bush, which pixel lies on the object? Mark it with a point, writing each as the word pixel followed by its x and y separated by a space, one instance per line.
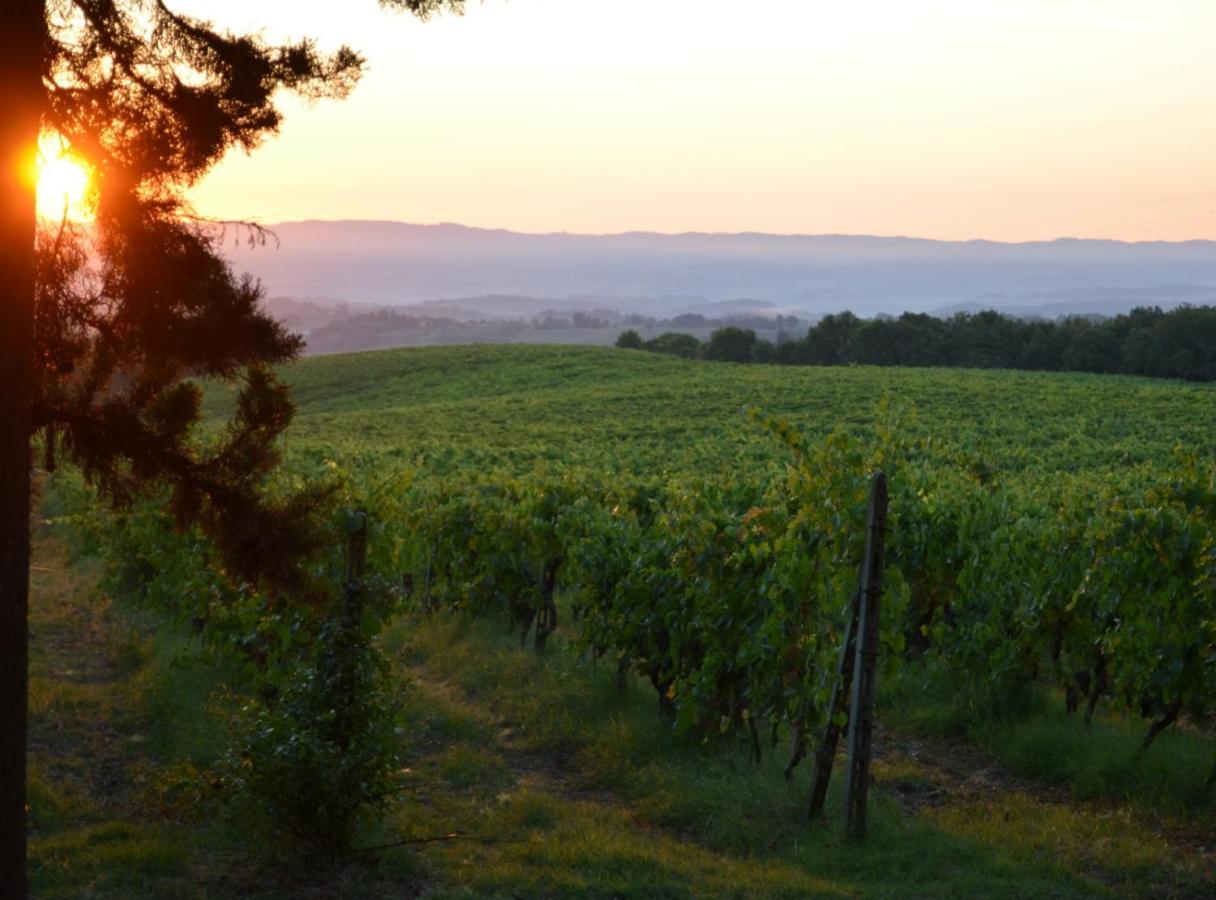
pixel 313 762
pixel 630 340
pixel 731 345
pixel 675 344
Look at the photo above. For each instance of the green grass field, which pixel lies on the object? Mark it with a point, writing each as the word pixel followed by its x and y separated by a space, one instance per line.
pixel 577 787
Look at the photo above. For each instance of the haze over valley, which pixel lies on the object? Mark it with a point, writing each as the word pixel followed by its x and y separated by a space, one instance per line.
pixel 454 284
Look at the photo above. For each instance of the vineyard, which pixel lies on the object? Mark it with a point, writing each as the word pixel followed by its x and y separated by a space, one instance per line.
pixel 704 530
pixel 699 529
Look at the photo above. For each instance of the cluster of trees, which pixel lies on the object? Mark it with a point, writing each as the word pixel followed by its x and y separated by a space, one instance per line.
pixel 1147 341
pixel 728 344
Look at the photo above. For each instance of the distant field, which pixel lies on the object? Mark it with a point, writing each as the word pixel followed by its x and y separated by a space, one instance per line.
pixel 518 407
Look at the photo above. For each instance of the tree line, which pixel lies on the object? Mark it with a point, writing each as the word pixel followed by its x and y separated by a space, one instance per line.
pixel 1147 341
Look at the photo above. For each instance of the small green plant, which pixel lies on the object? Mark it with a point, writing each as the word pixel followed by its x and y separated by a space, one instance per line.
pixel 315 753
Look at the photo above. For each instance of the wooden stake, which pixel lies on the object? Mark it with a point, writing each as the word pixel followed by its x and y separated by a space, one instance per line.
pixel 825 754
pixel 861 709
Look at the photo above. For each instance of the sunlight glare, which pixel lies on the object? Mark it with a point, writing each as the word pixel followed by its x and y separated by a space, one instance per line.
pixel 63 182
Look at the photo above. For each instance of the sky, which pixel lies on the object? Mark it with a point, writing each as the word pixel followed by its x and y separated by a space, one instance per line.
pixel 948 119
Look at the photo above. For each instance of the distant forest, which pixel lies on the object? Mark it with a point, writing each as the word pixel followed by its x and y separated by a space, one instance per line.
pixel 1147 341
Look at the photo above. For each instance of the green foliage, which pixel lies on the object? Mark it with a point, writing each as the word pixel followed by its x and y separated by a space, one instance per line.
pixel 672 343
pixel 585 788
pixel 714 557
pixel 731 345
pixel 314 762
pixel 311 713
pixel 728 601
pixel 719 571
pixel 516 409
pixel 629 340
pixel 1106 577
pixel 1175 344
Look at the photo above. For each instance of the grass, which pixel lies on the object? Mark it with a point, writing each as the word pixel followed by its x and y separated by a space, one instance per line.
pixel 585 754
pixel 1103 761
pixel 122 729
pixel 1056 749
pixel 570 786
pixel 87 744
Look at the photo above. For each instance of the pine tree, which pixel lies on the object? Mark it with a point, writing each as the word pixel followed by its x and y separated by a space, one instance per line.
pixel 102 329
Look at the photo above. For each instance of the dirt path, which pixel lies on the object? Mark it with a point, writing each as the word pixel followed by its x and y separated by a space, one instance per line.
pixel 934 772
pixel 82 738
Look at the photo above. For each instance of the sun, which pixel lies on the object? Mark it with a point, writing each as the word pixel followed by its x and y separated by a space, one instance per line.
pixel 63 182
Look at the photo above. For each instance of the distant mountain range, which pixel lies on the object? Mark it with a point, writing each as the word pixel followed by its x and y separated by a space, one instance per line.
pixel 508 274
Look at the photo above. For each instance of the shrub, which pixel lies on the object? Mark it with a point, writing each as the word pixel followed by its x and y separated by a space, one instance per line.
pixel 629 340
pixel 313 758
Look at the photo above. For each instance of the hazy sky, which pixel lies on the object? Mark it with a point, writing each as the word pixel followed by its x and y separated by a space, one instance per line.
pixel 948 119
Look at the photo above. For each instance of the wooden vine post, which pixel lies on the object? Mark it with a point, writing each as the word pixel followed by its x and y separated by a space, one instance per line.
pixel 825 753
pixel 865 666
pixel 855 676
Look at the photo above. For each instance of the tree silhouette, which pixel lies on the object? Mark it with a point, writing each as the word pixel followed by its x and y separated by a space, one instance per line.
pixel 102 328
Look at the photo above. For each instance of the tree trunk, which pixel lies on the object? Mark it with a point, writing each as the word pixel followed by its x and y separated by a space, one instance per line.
pixel 22 41
pixel 546 622
pixel 1168 716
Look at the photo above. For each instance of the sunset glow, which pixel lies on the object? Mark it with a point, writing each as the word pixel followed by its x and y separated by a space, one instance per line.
pixel 63 183
pixel 1006 119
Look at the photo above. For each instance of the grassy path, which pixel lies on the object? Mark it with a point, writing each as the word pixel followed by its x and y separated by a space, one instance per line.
pixel 91 832
pixel 548 750
pixel 557 783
